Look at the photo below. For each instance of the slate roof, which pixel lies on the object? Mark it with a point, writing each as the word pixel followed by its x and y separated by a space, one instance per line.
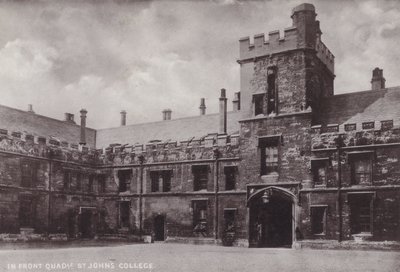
pixel 175 130
pixel 361 107
pixel 38 125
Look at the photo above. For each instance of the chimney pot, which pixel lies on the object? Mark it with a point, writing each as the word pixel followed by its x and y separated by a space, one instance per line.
pixel 202 106
pixel 69 117
pixel 30 108
pixel 222 112
pixel 83 127
pixel 223 93
pixel 123 118
pixel 377 81
pixel 167 114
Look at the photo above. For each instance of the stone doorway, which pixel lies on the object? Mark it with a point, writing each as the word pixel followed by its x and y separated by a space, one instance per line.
pixel 27 211
pixel 87 223
pixel 271 219
pixel 159 228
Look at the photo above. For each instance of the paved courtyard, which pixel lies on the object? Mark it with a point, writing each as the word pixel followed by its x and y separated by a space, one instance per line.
pixel 178 257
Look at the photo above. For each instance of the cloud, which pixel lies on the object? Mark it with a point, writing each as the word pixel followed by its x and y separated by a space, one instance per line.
pixel 147 56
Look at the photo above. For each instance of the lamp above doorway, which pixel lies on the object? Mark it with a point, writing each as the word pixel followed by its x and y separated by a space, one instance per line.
pixel 266 196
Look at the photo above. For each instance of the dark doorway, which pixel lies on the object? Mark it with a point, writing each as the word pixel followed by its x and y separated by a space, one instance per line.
pixel 71 224
pixel 27 212
pixel 124 214
pixel 86 223
pixel 271 223
pixel 159 228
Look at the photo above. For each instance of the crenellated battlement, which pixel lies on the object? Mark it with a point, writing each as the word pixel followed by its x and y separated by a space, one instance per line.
pixel 305 33
pixel 355 134
pixel 205 148
pixel 325 55
pixel 48 148
pixel 274 44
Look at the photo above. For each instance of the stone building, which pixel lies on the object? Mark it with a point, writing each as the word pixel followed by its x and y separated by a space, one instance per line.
pixel 291 161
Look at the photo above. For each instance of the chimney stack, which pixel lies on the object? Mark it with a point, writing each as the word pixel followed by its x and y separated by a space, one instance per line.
pixel 202 106
pixel 83 127
pixel 167 114
pixel 30 108
pixel 377 81
pixel 69 117
pixel 123 118
pixel 222 112
pixel 236 102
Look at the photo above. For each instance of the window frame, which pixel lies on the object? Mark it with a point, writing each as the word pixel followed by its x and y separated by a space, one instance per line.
pixel 353 200
pixel 230 174
pixel 265 142
pixel 126 182
pixel 29 173
pixel 200 178
pixel 199 219
pixel 272 91
pixel 258 103
pixel 316 164
pixel 357 157
pixel 161 178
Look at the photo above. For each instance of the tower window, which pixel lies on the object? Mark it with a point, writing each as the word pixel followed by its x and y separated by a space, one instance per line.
pixel 258 100
pixel 271 92
pixel 269 149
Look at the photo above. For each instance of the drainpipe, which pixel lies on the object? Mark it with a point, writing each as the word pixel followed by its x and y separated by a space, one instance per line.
pixel 141 161
pixel 339 144
pixel 216 189
pixel 49 205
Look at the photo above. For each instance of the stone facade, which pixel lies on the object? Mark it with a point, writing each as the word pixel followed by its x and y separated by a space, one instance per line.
pixel 280 174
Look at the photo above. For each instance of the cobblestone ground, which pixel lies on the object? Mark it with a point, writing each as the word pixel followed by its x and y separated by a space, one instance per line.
pixel 178 257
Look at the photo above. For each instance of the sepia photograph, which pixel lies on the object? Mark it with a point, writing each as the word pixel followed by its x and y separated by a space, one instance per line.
pixel 219 135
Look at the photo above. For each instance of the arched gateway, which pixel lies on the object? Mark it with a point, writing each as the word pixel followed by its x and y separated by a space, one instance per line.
pixel 272 213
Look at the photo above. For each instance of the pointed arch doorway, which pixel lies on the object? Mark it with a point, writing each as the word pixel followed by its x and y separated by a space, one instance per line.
pixel 272 213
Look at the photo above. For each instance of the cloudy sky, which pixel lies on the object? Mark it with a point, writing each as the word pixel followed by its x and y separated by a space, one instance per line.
pixel 147 56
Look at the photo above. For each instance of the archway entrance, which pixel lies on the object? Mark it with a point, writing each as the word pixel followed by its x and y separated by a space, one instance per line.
pixel 159 228
pixel 271 218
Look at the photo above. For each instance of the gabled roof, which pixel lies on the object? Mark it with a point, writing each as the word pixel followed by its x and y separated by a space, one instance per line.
pixel 361 107
pixel 174 130
pixel 38 125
